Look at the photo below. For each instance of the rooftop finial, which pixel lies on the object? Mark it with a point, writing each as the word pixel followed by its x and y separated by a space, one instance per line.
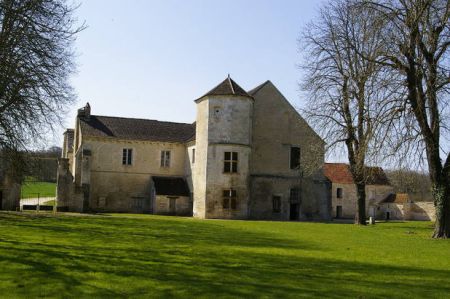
pixel 228 75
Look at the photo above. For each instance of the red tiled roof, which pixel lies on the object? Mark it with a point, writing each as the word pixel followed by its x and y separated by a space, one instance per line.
pixel 397 198
pixel 340 173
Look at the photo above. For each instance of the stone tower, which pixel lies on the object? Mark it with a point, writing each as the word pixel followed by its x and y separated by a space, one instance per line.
pixel 223 147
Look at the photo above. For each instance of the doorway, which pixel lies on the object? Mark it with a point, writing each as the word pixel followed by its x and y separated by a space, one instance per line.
pixel 1 199
pixel 338 211
pixel 172 205
pixel 294 211
pixel 388 215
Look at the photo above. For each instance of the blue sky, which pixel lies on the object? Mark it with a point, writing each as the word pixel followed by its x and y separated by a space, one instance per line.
pixel 151 59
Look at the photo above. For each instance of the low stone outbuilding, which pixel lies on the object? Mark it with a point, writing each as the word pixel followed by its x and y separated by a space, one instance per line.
pixel 343 190
pixel 400 206
pixel 172 196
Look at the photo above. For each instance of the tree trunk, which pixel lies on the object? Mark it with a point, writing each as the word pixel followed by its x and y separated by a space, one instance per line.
pixel 441 195
pixel 360 217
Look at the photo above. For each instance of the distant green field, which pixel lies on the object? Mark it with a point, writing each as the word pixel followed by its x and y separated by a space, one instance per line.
pixel 31 189
pixel 147 256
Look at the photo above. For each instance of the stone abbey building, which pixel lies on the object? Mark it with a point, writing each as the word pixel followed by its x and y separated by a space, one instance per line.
pixel 248 155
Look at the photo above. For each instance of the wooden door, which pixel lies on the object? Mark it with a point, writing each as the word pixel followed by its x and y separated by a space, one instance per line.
pixel 172 205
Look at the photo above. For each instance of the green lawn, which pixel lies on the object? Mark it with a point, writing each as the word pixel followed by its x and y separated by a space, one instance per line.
pixel 153 256
pixel 31 189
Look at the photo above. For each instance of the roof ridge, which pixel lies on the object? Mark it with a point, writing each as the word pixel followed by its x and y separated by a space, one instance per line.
pixel 231 84
pixel 257 88
pixel 146 119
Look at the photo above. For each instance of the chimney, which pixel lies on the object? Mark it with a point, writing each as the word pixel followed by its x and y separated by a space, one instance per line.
pixel 85 112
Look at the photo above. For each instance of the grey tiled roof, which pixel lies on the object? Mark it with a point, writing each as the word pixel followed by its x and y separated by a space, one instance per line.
pixel 136 129
pixel 227 87
pixel 257 88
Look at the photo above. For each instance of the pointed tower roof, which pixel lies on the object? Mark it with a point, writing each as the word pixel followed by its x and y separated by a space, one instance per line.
pixel 227 87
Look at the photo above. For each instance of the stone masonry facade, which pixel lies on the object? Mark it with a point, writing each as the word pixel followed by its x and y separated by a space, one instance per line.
pixel 248 155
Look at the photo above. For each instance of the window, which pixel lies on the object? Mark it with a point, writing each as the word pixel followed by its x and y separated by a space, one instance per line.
pixel 276 203
pixel 230 162
pixel 229 199
pixel 165 158
pixel 216 112
pixel 339 192
pixel 294 195
pixel 193 155
pixel 127 156
pixel 295 157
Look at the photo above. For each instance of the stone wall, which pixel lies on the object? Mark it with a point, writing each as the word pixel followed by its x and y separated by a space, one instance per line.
pixel 407 211
pixel 180 205
pixel 201 152
pixel 115 187
pixel 68 196
pixel 10 194
pixel 349 200
pixel 420 211
pixel 223 125
pixel 277 127
pixel 310 205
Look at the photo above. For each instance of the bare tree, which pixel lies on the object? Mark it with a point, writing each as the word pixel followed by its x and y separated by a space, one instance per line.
pixel 351 100
pixel 418 35
pixel 36 60
pixel 410 181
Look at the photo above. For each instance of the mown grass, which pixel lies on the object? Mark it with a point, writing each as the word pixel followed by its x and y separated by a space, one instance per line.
pixel 155 256
pixel 31 189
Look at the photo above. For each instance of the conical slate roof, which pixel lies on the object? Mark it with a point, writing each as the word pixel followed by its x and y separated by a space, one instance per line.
pixel 227 87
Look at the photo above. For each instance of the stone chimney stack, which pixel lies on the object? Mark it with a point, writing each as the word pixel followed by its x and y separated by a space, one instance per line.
pixel 85 112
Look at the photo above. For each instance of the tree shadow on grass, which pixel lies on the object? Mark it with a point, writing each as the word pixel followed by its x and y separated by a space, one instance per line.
pixel 57 271
pixel 168 258
pixel 164 229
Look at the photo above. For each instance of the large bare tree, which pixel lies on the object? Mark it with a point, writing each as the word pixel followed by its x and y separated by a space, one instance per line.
pixel 418 35
pixel 351 100
pixel 36 60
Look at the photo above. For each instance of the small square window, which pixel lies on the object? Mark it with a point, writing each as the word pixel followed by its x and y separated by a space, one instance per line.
pixel 216 112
